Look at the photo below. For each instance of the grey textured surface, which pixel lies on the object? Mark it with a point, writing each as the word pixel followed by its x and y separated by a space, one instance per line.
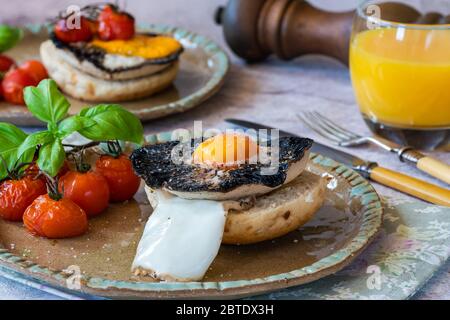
pixel 271 93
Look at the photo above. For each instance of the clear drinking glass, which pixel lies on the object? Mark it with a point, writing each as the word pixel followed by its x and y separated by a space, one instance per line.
pixel 400 69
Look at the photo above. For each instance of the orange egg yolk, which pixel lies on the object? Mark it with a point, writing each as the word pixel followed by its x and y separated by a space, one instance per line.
pixel 148 47
pixel 226 150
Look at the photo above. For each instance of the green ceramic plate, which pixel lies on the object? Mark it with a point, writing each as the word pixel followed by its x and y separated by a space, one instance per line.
pixel 203 67
pixel 346 224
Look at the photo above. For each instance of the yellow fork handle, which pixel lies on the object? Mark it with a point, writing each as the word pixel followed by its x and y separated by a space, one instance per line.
pixel 411 186
pixel 435 168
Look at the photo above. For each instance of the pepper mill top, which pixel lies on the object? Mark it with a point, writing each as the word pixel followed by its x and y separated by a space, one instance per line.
pixel 256 29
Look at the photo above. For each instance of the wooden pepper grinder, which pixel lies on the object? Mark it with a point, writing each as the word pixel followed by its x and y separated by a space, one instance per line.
pixel 255 29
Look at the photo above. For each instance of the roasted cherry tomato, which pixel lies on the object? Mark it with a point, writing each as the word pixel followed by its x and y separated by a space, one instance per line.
pixel 67 35
pixel 35 69
pixel 93 25
pixel 122 181
pixel 55 219
pixel 13 84
pixel 115 25
pixel 17 195
pixel 6 63
pixel 88 190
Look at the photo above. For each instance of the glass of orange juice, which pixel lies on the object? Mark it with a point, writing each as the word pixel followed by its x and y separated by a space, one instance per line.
pixel 400 72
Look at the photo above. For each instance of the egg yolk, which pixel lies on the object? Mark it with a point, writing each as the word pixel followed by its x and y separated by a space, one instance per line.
pixel 227 150
pixel 148 47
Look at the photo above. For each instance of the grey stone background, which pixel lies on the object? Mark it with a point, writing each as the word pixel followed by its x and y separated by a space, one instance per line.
pixel 270 93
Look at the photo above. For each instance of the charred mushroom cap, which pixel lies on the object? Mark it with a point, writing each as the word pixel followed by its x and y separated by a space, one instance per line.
pixel 154 164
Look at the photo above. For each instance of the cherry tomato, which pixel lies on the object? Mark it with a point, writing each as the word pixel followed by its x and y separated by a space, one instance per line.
pixel 35 69
pixel 88 190
pixel 67 35
pixel 122 181
pixel 93 25
pixel 6 63
pixel 115 25
pixel 17 195
pixel 55 219
pixel 13 84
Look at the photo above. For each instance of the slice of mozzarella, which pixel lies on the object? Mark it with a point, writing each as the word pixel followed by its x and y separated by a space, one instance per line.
pixel 181 239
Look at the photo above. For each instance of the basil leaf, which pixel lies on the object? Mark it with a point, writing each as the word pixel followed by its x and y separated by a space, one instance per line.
pixel 72 124
pixel 10 135
pixel 9 37
pixel 51 157
pixel 46 102
pixel 112 122
pixel 33 140
pixel 11 138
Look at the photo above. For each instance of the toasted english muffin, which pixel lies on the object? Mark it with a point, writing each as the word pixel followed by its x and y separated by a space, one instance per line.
pixel 277 213
pixel 86 87
pixel 271 215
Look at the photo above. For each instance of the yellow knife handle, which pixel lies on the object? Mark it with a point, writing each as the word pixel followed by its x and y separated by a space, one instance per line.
pixel 412 186
pixel 435 168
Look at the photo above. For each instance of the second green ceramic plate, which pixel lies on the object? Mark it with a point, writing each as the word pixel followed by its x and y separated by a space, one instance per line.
pixel 203 68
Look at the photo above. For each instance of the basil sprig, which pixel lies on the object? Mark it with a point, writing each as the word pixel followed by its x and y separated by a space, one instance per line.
pixel 100 123
pixel 9 37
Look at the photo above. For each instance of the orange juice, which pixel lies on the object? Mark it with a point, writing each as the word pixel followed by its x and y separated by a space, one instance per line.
pixel 401 77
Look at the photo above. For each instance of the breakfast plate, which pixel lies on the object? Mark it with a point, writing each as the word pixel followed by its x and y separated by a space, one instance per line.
pixel 203 68
pixel 345 225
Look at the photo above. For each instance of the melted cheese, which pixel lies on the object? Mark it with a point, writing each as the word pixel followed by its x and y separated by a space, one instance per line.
pixel 181 238
pixel 147 47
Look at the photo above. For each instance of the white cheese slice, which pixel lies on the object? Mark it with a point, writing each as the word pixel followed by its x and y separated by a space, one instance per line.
pixel 181 238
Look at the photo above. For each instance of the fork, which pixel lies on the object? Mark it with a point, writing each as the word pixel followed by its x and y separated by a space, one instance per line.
pixel 345 138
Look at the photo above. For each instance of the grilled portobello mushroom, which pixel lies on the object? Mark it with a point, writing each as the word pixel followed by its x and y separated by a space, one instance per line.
pixel 155 166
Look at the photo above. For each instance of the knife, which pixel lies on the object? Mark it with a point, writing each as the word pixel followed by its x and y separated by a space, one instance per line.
pixel 370 170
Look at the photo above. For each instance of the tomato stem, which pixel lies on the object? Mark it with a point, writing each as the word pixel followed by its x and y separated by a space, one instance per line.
pixel 80 163
pixel 52 187
pixel 114 148
pixel 78 148
pixel 15 173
